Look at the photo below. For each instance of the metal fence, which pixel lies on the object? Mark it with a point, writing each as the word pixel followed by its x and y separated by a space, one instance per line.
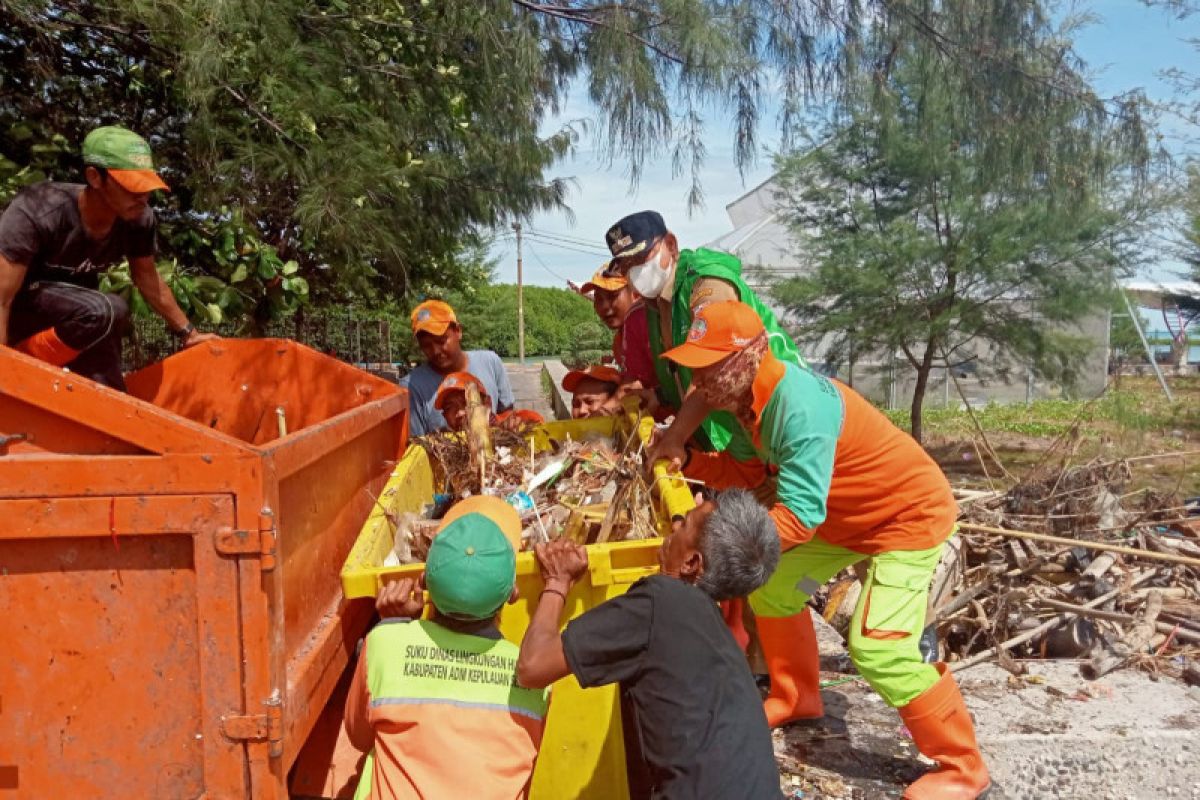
pixel 344 335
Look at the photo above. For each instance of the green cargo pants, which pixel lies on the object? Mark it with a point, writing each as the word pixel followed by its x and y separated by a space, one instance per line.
pixel 888 619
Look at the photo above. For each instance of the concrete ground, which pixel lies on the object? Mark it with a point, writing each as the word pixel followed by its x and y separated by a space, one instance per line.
pixel 527 387
pixel 1048 734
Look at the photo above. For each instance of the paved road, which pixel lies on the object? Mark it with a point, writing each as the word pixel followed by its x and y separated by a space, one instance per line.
pixel 527 388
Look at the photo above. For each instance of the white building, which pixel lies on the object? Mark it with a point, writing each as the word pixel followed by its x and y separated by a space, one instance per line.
pixel 769 253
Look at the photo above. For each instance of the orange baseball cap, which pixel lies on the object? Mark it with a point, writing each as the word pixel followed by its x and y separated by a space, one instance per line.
pixel 495 509
pixel 599 372
pixel 433 316
pixel 456 382
pixel 610 283
pixel 718 330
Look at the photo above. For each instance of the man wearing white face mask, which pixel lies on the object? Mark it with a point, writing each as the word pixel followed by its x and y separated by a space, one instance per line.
pixel 675 283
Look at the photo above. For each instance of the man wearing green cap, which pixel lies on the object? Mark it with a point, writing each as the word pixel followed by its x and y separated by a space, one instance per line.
pixel 436 701
pixel 56 239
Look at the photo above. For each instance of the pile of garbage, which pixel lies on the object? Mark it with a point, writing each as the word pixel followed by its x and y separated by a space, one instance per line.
pixel 592 489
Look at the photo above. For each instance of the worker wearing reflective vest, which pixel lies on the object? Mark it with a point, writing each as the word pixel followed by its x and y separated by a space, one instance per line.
pixel 674 283
pixel 850 486
pixel 436 701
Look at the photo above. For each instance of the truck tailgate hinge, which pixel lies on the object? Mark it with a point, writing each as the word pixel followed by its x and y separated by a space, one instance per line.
pixel 237 542
pixel 266 727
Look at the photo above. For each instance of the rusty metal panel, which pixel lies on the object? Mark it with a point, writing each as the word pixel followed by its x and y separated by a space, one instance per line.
pixel 104 642
pixel 175 552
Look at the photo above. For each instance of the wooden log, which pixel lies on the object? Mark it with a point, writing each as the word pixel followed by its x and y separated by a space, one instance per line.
pixel 1183 634
pixel 1114 655
pixel 1091 545
pixel 1009 644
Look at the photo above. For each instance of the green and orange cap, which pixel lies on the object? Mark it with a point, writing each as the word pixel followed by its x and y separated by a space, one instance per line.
pixel 718 331
pixel 471 567
pixel 125 156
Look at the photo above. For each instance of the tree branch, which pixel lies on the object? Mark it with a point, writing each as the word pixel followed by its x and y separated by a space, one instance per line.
pixel 580 16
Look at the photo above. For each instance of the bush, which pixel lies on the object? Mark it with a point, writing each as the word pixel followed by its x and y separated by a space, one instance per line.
pixel 555 320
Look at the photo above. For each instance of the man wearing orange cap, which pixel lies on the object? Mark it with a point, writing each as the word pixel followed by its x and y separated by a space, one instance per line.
pixel 439 336
pixel 591 389
pixel 850 486
pixel 451 401
pixel 435 701
pixel 56 239
pixel 620 309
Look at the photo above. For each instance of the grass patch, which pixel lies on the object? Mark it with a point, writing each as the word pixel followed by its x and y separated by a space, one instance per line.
pixel 1135 405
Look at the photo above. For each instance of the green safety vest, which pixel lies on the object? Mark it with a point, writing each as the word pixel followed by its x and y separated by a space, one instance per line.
pixel 412 666
pixel 720 429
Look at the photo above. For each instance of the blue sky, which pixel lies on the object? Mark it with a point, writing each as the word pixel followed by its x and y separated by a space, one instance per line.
pixel 1126 48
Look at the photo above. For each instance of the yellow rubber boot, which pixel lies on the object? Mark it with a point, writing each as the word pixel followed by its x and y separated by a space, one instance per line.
pixel 790 647
pixel 941 728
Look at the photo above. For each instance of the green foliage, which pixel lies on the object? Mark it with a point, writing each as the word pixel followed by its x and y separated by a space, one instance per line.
pixel 948 221
pixel 592 342
pixel 1138 408
pixel 553 318
pixel 1124 344
pixel 367 143
pixel 1191 227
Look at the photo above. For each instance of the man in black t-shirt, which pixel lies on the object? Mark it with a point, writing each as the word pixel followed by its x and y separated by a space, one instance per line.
pixel 56 239
pixel 697 712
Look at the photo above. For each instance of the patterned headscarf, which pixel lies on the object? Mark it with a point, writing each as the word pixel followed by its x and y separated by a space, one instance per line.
pixel 730 387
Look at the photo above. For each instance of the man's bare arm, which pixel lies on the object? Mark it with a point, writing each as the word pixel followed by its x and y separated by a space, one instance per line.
pixel 161 299
pixel 12 275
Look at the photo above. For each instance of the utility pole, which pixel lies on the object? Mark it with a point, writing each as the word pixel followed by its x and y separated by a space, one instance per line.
pixel 520 298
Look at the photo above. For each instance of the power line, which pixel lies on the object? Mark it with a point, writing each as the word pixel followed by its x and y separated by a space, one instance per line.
pixel 538 258
pixel 566 238
pixel 537 237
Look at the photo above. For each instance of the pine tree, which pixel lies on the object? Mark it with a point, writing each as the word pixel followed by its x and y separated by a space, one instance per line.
pixel 946 217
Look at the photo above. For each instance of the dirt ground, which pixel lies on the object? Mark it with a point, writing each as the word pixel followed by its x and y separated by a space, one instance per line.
pixel 1049 734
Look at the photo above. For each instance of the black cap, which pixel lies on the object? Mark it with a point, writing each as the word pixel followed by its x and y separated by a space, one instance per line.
pixel 635 233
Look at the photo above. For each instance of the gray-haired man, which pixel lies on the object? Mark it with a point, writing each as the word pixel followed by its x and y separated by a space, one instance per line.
pixel 697 714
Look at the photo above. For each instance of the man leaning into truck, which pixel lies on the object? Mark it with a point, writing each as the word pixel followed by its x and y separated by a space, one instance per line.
pixel 55 240
pixel 699 724
pixel 851 487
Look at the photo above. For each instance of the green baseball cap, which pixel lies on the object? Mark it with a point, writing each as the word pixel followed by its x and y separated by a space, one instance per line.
pixel 471 567
pixel 125 155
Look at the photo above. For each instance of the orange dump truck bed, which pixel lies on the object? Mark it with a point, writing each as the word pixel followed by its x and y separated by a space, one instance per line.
pixel 171 617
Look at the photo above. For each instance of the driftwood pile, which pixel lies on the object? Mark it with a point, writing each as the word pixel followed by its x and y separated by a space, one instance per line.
pixel 1071 564
pixel 591 490
pixel 1065 564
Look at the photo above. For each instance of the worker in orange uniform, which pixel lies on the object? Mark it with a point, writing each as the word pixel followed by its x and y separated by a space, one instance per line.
pixel 451 401
pixel 436 701
pixel 55 241
pixel 850 486
pixel 591 390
